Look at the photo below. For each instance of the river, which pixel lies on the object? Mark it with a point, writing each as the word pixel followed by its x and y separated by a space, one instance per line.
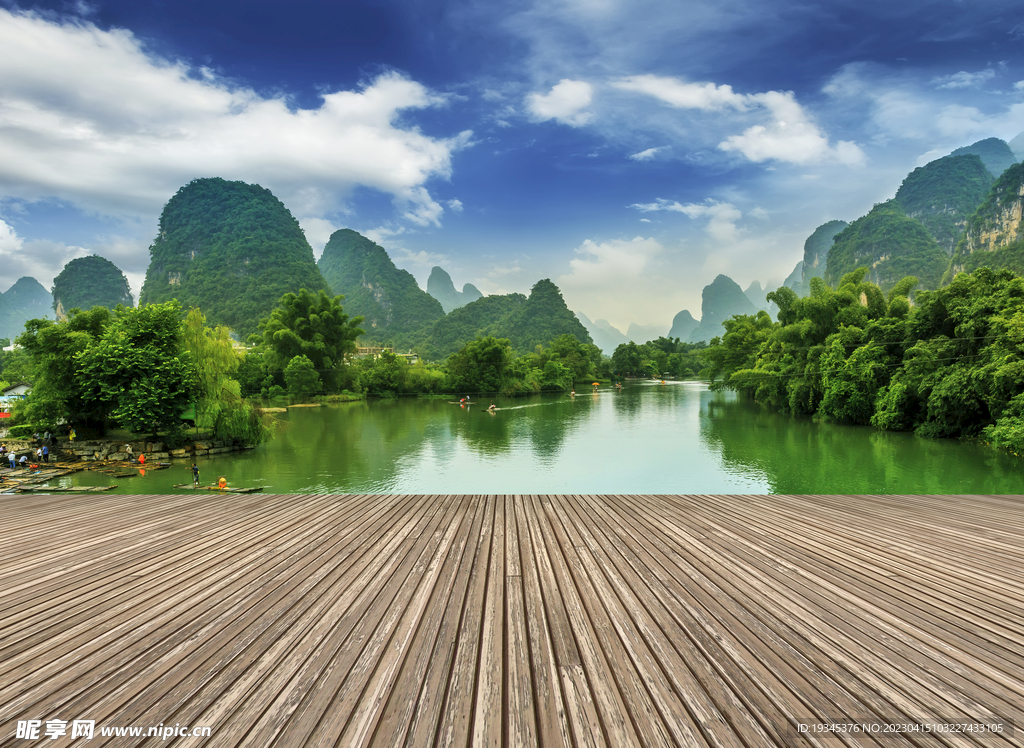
pixel 676 437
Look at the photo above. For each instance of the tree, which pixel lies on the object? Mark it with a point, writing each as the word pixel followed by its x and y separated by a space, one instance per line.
pixel 626 359
pixel 58 388
pixel 139 370
pixel 301 377
pixel 384 375
pixel 481 366
pixel 311 325
pixel 574 356
pixel 220 407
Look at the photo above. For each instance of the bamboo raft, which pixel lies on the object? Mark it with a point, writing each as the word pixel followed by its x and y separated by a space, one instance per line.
pixel 251 489
pixel 63 489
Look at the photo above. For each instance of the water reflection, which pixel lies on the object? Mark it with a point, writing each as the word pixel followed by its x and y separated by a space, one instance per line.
pixel 800 456
pixel 648 438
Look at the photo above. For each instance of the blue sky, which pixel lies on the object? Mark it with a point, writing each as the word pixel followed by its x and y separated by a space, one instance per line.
pixel 629 151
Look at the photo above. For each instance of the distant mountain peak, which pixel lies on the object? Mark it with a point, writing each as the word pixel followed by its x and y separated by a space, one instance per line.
pixel 440 286
pixel 996 154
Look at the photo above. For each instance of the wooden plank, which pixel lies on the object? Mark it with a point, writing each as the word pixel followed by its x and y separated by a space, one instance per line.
pixel 513 620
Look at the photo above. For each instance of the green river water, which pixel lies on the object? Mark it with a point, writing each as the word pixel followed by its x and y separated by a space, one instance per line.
pixel 648 438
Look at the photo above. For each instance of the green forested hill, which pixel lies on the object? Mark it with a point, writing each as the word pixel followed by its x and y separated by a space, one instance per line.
pixel 526 321
pixel 231 249
pixel 995 236
pixel 90 281
pixel 468 322
pixel 891 245
pixel 816 249
pixel 944 194
pixel 541 319
pixel 394 308
pixel 25 300
pixel 996 154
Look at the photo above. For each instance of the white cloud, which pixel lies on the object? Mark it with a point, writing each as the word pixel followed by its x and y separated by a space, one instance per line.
pixel 683 94
pixel 565 102
pixel 406 258
pixel 92 117
pixel 318 231
pixel 614 280
pixel 789 134
pixel 723 216
pixel 455 206
pixel 1019 85
pixel 10 242
pixel 381 234
pixel 963 79
pixel 901 107
pixel 649 153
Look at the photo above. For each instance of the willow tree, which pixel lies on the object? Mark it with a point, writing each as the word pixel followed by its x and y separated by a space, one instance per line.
pixel 220 407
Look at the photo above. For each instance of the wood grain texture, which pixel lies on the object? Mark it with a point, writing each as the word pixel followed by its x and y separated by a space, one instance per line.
pixel 548 620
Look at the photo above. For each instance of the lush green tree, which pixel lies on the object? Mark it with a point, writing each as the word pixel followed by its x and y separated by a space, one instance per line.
pixel 58 390
pixel 220 407
pixel 482 366
pixel 575 356
pixel 313 325
pixel 252 372
pixel 626 360
pixel 301 377
pixel 556 376
pixel 139 369
pixel 16 366
pixel 951 365
pixel 384 375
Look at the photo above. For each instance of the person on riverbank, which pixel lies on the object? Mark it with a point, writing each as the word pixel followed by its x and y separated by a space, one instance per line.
pixel 128 451
pixel 13 458
pixel 46 453
pixel 23 462
pixel 71 437
pixel 195 474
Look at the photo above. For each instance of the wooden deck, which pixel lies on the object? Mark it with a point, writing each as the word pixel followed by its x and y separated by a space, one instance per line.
pixel 513 620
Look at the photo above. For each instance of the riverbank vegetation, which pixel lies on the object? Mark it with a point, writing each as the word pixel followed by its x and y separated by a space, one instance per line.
pixel 950 364
pixel 138 369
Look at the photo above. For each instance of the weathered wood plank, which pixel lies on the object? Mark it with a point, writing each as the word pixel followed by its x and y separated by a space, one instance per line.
pixel 513 620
